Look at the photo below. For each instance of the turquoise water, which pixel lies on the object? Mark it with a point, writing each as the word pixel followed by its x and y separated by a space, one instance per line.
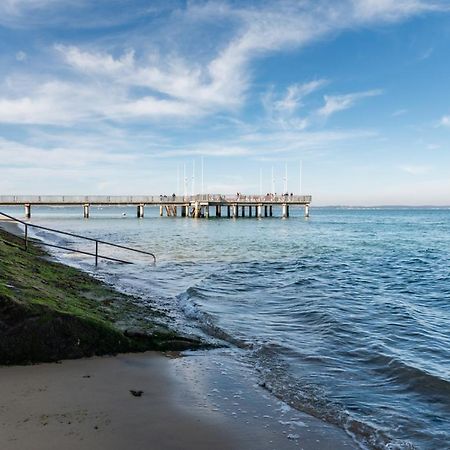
pixel 345 316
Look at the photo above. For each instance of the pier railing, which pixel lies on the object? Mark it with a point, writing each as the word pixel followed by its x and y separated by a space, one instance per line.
pixel 148 199
pixel 95 254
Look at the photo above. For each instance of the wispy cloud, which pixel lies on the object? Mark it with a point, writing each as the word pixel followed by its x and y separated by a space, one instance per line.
pixel 399 112
pixel 416 169
pixel 20 6
pixel 18 154
pixel 294 95
pixel 335 103
pixel 445 121
pixel 394 10
pixel 180 86
pixel 21 56
pixel 426 54
pixel 261 144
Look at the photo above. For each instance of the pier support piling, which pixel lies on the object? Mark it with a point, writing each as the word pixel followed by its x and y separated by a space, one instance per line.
pixel 27 210
pixel 86 210
pixel 196 210
pixel 306 210
pixel 270 211
pixel 265 210
pixel 140 211
pixel 285 209
pixel 259 211
pixel 218 211
pixel 161 210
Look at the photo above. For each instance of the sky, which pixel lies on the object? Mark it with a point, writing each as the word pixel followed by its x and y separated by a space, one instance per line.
pixel 351 98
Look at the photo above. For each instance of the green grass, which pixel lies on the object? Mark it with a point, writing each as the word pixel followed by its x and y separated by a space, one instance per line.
pixel 50 311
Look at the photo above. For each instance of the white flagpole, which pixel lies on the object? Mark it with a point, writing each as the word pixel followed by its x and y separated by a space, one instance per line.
pixel 285 179
pixel 203 190
pixel 260 181
pixel 193 177
pixel 273 182
pixel 178 180
pixel 301 175
pixel 184 180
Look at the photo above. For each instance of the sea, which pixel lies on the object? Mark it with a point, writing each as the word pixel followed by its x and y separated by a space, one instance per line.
pixel 344 315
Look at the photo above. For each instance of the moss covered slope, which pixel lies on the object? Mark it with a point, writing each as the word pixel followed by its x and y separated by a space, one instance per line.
pixel 49 311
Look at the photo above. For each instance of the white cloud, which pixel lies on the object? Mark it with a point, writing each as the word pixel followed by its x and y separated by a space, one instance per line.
pixel 205 88
pixel 445 121
pixel 269 143
pixel 19 6
pixel 426 54
pixel 294 95
pixel 66 103
pixel 221 83
pixel 416 169
pixel 54 102
pixel 17 154
pixel 335 103
pixel 21 56
pixel 393 10
pixel 96 62
pixel 399 112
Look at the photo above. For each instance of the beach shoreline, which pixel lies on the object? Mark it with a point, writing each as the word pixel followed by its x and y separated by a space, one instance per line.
pixel 199 401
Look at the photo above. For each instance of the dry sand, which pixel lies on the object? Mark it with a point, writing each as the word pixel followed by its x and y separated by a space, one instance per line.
pixel 194 402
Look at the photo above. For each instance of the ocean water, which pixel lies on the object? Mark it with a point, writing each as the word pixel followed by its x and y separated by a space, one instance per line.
pixel 345 315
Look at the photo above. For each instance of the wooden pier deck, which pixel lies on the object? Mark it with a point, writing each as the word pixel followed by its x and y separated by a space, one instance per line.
pixel 195 206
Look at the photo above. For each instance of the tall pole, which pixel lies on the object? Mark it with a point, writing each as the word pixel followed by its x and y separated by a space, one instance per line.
pixel 285 179
pixel 300 179
pixel 193 177
pixel 178 179
pixel 273 182
pixel 260 181
pixel 203 177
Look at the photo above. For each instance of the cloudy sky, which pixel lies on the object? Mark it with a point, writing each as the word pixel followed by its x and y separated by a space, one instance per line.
pixel 125 96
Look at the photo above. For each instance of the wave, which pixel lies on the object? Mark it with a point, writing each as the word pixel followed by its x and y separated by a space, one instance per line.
pixel 275 376
pixel 204 320
pixel 311 398
pixel 409 377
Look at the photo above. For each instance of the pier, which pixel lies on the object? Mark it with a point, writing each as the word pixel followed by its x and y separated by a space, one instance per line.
pixel 195 206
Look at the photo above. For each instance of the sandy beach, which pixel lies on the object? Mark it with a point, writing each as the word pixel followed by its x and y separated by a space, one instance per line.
pixel 194 402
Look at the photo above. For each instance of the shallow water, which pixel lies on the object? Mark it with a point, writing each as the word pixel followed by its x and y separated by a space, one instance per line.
pixel 345 316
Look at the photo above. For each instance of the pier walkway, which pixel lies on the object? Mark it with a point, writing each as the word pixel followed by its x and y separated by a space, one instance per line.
pixel 187 206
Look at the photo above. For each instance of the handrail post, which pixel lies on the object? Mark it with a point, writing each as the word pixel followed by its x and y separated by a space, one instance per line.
pixel 26 237
pixel 96 253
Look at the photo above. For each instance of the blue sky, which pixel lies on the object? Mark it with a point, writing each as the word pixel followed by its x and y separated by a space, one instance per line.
pixel 123 97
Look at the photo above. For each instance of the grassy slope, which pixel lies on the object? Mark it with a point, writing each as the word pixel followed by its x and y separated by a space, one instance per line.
pixel 49 311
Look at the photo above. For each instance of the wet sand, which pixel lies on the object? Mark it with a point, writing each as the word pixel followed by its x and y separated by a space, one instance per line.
pixel 201 401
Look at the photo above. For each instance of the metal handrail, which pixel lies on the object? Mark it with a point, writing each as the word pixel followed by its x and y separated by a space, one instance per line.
pixel 97 241
pixel 147 199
